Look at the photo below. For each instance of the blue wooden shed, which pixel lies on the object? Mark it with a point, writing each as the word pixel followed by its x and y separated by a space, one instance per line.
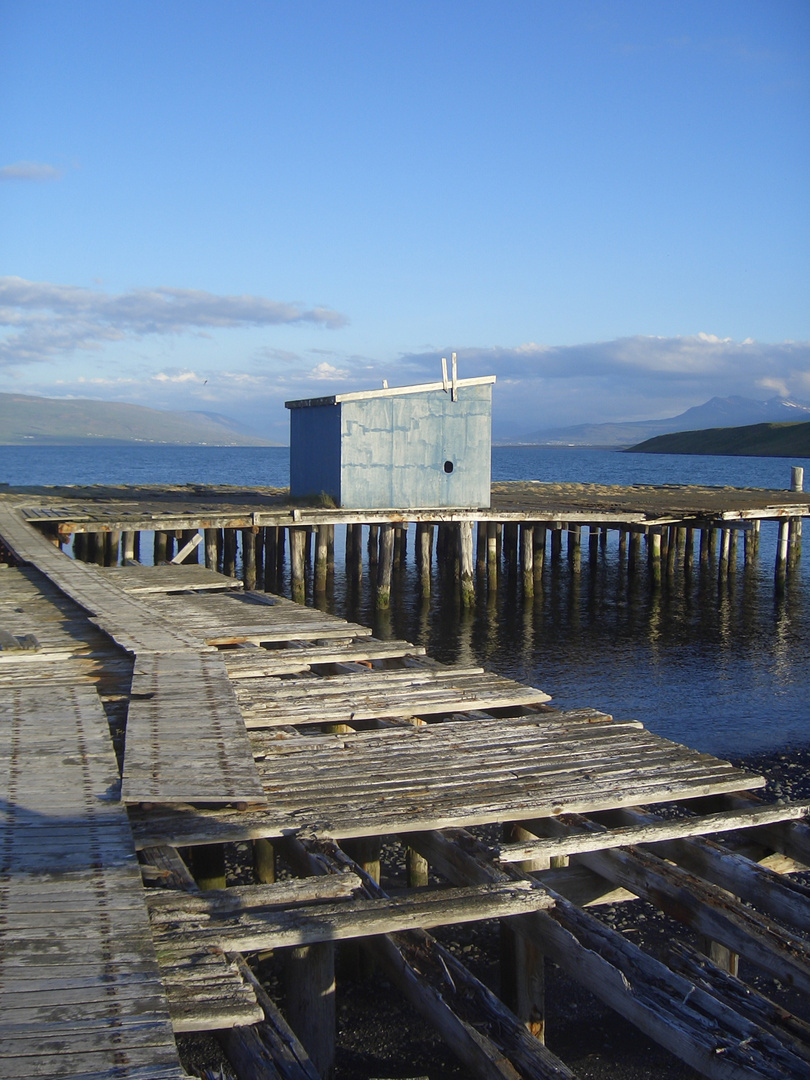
pixel 406 447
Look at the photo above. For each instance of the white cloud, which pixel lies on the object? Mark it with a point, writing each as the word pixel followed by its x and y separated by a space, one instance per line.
pixel 47 321
pixel 327 371
pixel 30 170
pixel 178 377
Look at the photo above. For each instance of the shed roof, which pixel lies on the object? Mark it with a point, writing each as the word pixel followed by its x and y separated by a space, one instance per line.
pixel 388 391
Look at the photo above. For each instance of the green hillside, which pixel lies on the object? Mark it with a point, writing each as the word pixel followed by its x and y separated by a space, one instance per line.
pixel 752 440
pixel 27 420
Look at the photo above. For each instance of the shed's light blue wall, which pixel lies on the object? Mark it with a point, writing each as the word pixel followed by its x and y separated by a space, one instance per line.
pixel 315 451
pixel 390 450
pixel 395 448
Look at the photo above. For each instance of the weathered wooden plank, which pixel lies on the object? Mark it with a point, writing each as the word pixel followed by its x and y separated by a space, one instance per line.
pixel 308 924
pixel 691 1023
pixel 186 740
pixel 651 832
pixel 251 663
pixel 168 578
pixel 79 982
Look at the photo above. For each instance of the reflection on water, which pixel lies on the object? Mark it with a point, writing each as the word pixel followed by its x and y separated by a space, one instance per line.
pixel 714 661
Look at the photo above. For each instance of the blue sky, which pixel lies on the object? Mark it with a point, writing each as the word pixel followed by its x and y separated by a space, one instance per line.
pixel 220 207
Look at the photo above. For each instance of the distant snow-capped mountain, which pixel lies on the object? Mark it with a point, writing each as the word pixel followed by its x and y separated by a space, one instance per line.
pixel 718 412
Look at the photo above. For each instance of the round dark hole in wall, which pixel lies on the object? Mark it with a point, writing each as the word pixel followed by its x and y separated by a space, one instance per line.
pixel 448 466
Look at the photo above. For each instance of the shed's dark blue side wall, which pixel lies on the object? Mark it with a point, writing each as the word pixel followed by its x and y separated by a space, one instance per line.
pixel 315 451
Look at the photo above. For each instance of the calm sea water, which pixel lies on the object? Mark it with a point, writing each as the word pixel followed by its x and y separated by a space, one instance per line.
pixel 721 666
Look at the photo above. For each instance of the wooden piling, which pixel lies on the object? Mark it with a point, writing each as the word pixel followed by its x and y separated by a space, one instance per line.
pixel 733 542
pixel 752 539
pixel 280 547
pixel 794 542
pixel 654 552
pixel 229 553
pixel 424 544
pixel 208 866
pixel 492 556
pixel 297 563
pixel 161 544
pixel 321 558
pixel 481 550
pixel 575 547
pixel 127 546
pixel 672 552
pixel 356 555
pixel 466 569
pixel 418 869
pixel 112 542
pixel 249 558
pixel 527 558
pixel 556 540
pixel 725 542
pixel 688 549
pixel 782 552
pixel 271 559
pixel 264 861
pixel 211 548
pixel 539 554
pixel 373 546
pixel 593 544
pixel 510 544
pixel 634 553
pixel 310 1002
pixel 384 566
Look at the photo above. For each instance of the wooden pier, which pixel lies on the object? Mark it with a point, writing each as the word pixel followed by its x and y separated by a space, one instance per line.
pixel 661 532
pixel 151 715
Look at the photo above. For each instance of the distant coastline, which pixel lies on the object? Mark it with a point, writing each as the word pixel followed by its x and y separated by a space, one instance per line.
pixel 751 440
pixel 26 420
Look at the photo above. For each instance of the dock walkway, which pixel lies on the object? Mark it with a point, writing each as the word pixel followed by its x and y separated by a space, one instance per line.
pixel 252 718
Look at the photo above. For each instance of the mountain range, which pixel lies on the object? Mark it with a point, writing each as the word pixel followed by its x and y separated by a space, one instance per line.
pixel 26 420
pixel 716 413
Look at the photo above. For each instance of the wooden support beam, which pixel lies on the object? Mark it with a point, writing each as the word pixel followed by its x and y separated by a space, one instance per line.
pixel 486 1037
pixel 668 1008
pixel 269 1050
pixel 191 544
